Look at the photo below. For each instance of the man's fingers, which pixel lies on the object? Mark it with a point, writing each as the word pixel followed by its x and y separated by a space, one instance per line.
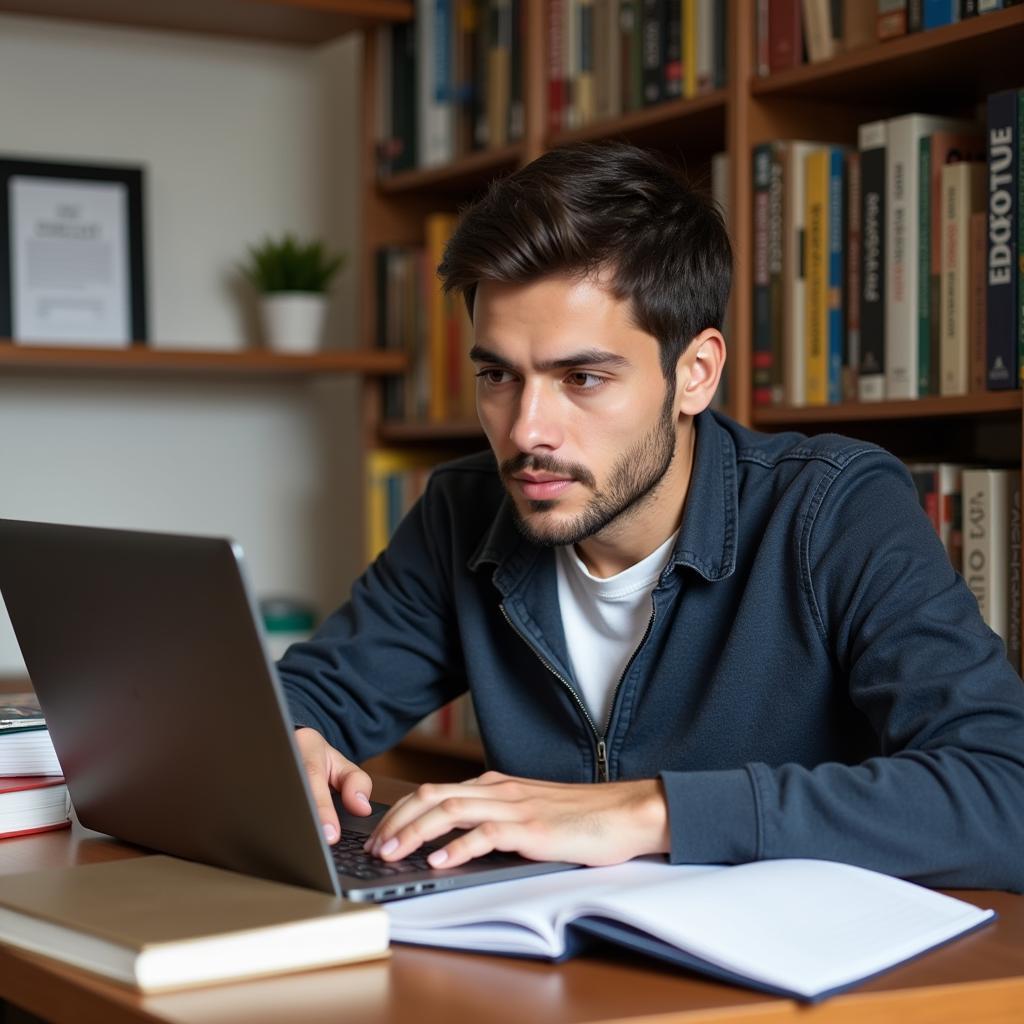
pixel 452 812
pixel 320 788
pixel 507 836
pixel 355 787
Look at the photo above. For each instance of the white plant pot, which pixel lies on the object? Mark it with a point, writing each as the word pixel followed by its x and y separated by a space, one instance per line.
pixel 293 322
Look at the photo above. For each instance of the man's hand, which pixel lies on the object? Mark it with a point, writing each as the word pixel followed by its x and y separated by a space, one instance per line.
pixel 601 823
pixel 328 769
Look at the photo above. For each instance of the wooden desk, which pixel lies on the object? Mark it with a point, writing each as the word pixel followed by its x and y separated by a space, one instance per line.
pixel 977 980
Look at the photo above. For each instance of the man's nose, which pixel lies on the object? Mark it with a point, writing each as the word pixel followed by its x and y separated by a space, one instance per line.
pixel 536 424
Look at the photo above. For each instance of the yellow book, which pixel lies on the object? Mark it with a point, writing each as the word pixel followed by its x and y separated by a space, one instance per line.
pixel 689 48
pixel 816 273
pixel 439 229
pixel 394 480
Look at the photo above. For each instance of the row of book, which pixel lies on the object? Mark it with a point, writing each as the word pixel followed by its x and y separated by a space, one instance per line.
pixel 795 32
pixel 976 512
pixel 449 82
pixel 889 271
pixel 608 57
pixel 33 795
pixel 394 480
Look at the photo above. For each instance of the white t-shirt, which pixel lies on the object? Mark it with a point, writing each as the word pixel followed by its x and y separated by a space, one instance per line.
pixel 604 621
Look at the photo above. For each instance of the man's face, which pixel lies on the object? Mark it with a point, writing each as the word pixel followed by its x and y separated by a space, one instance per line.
pixel 574 403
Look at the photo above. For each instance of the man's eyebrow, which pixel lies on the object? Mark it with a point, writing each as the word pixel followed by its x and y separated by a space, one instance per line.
pixel 586 357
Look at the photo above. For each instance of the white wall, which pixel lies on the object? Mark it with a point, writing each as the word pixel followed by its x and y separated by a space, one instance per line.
pixel 238 140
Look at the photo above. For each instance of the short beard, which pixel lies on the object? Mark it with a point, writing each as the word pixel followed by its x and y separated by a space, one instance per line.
pixel 633 478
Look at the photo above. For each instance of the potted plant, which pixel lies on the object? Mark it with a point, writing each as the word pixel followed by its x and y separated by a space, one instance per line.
pixel 292 277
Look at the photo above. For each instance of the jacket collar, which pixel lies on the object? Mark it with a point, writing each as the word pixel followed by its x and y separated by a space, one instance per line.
pixel 707 537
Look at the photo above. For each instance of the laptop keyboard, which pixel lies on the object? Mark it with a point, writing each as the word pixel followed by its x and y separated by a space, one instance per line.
pixel 352 860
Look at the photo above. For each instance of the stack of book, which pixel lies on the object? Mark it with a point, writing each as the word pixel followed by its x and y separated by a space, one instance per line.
pixel 976 512
pixel 795 32
pixel 608 57
pixel 33 796
pixel 889 271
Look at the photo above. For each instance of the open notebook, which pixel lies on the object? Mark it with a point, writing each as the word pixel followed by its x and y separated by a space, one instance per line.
pixel 801 928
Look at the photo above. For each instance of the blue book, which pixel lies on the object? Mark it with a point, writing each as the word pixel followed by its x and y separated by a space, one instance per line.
pixel 940 12
pixel 836 252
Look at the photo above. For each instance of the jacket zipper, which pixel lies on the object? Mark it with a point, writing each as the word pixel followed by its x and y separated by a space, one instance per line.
pixel 601 738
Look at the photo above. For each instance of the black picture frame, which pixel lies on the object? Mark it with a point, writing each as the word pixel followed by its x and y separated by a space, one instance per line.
pixel 131 177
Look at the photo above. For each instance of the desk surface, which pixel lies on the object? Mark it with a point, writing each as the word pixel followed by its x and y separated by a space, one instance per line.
pixel 979 978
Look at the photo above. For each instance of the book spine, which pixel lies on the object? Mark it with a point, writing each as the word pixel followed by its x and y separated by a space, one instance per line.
pixel 873 148
pixel 672 65
pixel 653 32
pixel 835 237
pixel 816 264
pixel 516 103
pixel 1002 241
pixel 762 36
pixel 785 35
pixel 915 15
pixel 892 18
pixel 986 503
pixel 978 296
pixel 938 13
pixel 901 252
pixel 950 482
pixel 705 48
pixel 924 265
pixel 1013 600
pixel 762 353
pixel 852 289
pixel 628 32
pixel 439 227
pixel 776 283
pixel 586 101
pixel 690 31
pixel 1018 271
pixel 793 157
pixel 721 15
pixel 555 72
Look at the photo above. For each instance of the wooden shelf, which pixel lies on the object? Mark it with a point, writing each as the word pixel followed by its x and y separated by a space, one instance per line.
pixel 933 71
pixel 397 431
pixel 305 22
pixel 987 403
pixel 166 362
pixel 466 750
pixel 701 117
pixel 467 172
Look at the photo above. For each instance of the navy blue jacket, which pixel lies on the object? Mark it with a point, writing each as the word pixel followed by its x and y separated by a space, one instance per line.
pixel 816 680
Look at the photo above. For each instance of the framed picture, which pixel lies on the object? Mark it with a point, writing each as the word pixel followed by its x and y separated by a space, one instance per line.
pixel 71 254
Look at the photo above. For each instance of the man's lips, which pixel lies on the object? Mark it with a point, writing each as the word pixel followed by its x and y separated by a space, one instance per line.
pixel 543 488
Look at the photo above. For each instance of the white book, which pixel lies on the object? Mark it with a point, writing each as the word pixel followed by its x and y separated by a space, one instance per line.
pixel 964 191
pixel 436 128
pixel 986 521
pixel 793 317
pixel 902 240
pixel 803 928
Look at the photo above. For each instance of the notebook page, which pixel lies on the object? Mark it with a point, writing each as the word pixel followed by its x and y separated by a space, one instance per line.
pixel 804 925
pixel 518 916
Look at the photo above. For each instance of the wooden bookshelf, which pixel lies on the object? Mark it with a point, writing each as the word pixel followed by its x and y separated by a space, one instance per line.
pixel 150 362
pixel 946 70
pixel 987 403
pixel 304 22
pixel 925 70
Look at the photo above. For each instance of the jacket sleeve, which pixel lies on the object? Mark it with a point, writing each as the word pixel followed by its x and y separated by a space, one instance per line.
pixel 390 654
pixel 943 802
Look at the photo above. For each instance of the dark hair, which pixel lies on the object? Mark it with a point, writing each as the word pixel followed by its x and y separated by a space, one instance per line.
pixel 610 207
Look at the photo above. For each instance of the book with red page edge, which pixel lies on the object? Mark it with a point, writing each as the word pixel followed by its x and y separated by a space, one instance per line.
pixel 33 803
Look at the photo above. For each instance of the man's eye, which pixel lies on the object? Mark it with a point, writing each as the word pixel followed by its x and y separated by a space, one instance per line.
pixel 583 381
pixel 494 376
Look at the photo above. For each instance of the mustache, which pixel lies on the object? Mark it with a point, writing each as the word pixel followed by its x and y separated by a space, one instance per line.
pixel 547 464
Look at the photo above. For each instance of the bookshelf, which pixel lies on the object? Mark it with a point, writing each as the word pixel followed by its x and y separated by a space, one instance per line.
pixel 948 70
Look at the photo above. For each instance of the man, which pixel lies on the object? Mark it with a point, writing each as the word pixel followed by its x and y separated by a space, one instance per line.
pixel 680 636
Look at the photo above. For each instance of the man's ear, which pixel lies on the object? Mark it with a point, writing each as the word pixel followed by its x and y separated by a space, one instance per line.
pixel 699 371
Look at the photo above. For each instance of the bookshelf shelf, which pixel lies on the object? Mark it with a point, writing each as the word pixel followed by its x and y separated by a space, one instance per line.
pixel 988 403
pixel 412 432
pixel 468 172
pixel 305 22
pixel 924 70
pixel 702 118
pixel 167 362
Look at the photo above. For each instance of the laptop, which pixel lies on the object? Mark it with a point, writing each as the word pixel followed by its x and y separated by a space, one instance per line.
pixel 147 656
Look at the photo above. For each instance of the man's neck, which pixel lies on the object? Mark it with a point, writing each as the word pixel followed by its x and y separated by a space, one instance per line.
pixel 644 528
